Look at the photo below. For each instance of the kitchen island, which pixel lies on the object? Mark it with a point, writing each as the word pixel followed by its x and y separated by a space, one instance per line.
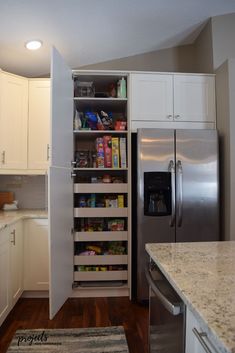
pixel 203 274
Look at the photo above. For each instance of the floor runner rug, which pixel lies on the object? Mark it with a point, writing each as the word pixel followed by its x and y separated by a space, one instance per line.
pixel 84 340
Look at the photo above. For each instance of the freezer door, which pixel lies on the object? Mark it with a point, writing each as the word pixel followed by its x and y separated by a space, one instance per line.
pixel 197 185
pixel 155 201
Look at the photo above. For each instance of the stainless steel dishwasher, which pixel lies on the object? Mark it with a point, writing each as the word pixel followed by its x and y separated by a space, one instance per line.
pixel 166 314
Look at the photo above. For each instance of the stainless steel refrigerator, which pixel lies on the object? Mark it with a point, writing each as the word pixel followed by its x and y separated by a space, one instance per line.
pixel 177 191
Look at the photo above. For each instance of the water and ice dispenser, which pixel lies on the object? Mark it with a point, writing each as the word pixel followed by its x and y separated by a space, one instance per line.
pixel 157 193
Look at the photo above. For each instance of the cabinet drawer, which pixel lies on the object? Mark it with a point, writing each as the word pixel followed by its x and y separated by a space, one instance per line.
pixel 39 221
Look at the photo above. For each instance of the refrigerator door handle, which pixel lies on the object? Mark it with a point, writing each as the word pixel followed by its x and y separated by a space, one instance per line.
pixel 172 171
pixel 179 173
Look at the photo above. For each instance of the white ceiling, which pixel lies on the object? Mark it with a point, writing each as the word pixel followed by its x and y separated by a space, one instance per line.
pixel 91 31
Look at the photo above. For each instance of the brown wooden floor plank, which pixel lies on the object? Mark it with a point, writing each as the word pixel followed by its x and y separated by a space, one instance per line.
pixel 80 312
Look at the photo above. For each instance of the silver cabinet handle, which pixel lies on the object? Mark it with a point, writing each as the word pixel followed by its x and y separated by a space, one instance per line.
pixel 200 336
pixel 172 171
pixel 48 152
pixel 173 308
pixel 170 116
pixel 3 157
pixel 13 241
pixel 179 192
pixel 177 116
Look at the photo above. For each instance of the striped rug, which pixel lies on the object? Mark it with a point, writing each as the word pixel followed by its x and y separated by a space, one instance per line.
pixel 84 340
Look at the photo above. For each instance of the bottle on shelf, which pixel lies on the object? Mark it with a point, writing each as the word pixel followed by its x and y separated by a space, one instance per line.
pixel 121 88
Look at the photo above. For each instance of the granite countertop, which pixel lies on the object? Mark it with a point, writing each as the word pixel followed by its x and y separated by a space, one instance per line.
pixel 10 217
pixel 203 274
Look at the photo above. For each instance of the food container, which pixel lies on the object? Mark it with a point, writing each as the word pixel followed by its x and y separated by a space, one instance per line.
pixel 84 89
pixel 82 159
pixel 6 197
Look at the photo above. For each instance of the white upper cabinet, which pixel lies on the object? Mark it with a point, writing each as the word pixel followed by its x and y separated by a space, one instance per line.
pixel 13 121
pixel 39 124
pixel 151 97
pixel 159 99
pixel 61 113
pixel 194 98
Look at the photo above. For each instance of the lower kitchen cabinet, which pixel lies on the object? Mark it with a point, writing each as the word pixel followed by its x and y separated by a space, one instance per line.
pixel 36 259
pixel 5 306
pixel 15 234
pixel 197 340
pixel 11 267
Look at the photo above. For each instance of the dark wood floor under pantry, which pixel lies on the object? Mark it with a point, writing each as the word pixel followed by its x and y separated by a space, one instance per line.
pixel 77 313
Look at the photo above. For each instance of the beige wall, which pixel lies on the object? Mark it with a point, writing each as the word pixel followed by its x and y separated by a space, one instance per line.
pixel 225 93
pixel 204 50
pixel 177 59
pixel 29 190
pixel 223 29
pixel 214 45
pixel 232 144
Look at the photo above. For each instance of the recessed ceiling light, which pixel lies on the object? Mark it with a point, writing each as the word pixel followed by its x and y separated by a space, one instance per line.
pixel 33 44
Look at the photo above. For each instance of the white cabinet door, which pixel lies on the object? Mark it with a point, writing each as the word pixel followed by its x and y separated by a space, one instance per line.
pixel 36 258
pixel 38 123
pixel 194 98
pixel 157 100
pixel 196 339
pixel 151 97
pixel 61 113
pixel 60 188
pixel 16 261
pixel 5 305
pixel 13 121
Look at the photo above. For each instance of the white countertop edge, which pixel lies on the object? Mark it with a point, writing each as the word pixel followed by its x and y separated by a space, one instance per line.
pixel 212 335
pixel 11 217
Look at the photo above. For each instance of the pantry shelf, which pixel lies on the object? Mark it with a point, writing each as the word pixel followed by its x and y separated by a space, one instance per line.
pixel 101 139
pixel 100 260
pixel 98 169
pixel 101 236
pixel 105 99
pixel 102 132
pixel 97 104
pixel 100 275
pixel 101 188
pixel 100 212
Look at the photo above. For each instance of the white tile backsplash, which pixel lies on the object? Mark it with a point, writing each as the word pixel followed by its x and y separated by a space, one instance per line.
pixel 29 190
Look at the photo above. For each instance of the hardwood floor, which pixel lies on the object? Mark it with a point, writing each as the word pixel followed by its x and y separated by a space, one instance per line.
pixel 80 312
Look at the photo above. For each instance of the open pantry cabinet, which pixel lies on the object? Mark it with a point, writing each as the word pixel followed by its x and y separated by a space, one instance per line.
pixel 89 185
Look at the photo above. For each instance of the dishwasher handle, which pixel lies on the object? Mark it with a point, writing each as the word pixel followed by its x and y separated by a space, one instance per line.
pixel 173 308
